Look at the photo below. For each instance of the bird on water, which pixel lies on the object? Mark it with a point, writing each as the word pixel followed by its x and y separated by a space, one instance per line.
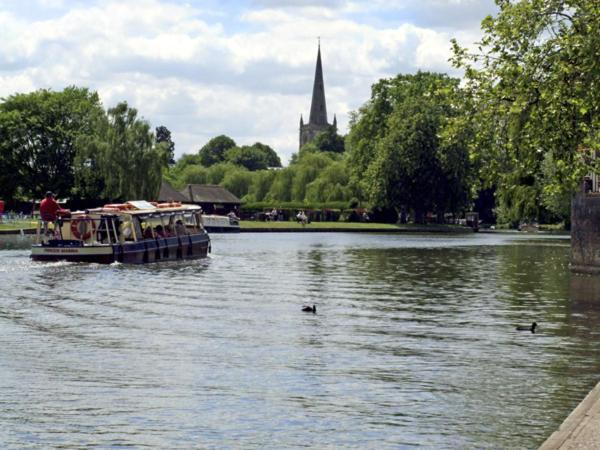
pixel 531 328
pixel 308 308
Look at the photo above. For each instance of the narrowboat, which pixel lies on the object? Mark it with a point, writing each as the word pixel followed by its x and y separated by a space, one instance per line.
pixel 135 232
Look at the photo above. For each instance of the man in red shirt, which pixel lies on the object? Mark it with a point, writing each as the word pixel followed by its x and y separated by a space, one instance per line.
pixel 48 209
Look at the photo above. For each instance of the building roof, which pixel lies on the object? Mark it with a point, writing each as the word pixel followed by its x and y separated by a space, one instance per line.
pixel 169 194
pixel 209 193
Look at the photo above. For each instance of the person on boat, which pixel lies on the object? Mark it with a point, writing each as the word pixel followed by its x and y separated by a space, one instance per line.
pixel 180 228
pixel 49 210
pixel 148 233
pixel 160 232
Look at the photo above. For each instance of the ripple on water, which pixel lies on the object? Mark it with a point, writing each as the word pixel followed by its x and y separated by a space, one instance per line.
pixel 413 344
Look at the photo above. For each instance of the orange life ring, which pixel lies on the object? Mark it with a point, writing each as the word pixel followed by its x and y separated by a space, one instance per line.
pixel 80 229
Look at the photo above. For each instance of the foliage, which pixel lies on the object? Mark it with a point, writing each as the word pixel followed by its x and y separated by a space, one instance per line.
pixel 401 154
pixel 213 152
pixel 237 181
pixel 250 157
pixel 534 88
pixel 126 156
pixel 329 141
pixel 38 132
pixel 261 183
pixel 164 135
pixel 271 157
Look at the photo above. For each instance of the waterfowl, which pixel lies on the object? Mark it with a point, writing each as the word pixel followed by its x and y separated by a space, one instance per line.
pixel 531 328
pixel 308 308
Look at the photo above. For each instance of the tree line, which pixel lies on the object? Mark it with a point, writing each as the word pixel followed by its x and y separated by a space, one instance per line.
pixel 67 143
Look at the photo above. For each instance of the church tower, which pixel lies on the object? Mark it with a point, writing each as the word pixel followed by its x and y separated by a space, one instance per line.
pixel 317 121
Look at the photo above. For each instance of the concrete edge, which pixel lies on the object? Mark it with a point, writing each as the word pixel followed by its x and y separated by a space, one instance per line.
pixel 574 422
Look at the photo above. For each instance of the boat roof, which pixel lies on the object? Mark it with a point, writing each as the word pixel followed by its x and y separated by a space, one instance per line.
pixel 142 207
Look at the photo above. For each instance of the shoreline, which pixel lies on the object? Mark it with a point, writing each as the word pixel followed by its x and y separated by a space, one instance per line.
pixel 345 229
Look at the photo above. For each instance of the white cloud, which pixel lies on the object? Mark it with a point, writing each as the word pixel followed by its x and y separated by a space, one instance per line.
pixel 244 73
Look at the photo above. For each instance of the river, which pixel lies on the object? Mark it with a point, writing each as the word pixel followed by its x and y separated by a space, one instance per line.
pixel 413 344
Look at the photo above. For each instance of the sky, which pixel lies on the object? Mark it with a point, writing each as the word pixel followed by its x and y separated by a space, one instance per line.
pixel 240 68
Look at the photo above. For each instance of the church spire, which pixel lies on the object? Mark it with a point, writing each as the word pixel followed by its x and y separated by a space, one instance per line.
pixel 318 108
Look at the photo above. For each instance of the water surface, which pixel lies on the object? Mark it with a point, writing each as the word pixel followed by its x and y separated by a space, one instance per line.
pixel 414 344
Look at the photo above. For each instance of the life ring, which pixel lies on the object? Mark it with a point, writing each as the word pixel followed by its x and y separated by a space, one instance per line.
pixel 80 229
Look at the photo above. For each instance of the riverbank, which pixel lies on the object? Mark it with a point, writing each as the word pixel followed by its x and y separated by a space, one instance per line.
pixel 337 227
pixel 247 226
pixel 581 429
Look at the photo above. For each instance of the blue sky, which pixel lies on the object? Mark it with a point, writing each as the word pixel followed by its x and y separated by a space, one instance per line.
pixel 241 68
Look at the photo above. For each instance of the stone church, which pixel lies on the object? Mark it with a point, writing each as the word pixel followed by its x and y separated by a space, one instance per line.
pixel 318 109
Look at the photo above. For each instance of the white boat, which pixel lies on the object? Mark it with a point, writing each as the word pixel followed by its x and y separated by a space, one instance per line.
pixel 221 224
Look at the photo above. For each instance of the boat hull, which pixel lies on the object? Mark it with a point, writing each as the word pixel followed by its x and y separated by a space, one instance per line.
pixel 141 252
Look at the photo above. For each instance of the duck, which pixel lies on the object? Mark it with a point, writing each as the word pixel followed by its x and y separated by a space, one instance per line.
pixel 531 328
pixel 308 308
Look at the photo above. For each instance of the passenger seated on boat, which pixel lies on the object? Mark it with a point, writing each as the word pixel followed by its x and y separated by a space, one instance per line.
pixel 148 233
pixel 169 231
pixel 180 228
pixel 160 232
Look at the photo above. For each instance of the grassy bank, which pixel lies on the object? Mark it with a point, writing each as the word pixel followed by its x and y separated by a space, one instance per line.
pixel 250 224
pixel 18 225
pixel 247 225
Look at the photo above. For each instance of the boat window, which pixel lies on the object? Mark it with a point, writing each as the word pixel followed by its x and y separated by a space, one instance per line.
pixel 192 222
pixel 104 232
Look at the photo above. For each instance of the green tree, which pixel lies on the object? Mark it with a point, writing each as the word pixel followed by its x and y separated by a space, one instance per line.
pixel 270 155
pixel 164 135
pixel 213 152
pixel 237 181
pixel 38 132
pixel 330 184
pixel 398 154
pixel 253 157
pixel 306 170
pixel 246 156
pixel 11 134
pixel 329 141
pixel 261 183
pixel 281 189
pixel 131 163
pixel 534 87
pixel 193 174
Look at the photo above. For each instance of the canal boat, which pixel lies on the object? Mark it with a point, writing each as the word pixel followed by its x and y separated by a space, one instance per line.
pixel 221 224
pixel 135 232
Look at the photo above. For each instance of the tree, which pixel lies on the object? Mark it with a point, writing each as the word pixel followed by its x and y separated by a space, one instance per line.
pixel 397 152
pixel 270 155
pixel 130 161
pixel 534 88
pixel 261 183
pixel 164 135
pixel 254 157
pixel 237 181
pixel 213 152
pixel 329 141
pixel 38 132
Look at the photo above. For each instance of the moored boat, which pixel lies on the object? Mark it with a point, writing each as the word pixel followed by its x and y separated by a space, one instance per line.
pixel 134 232
pixel 221 224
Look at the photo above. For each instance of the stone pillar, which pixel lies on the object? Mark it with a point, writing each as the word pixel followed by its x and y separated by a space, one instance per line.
pixel 585 233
